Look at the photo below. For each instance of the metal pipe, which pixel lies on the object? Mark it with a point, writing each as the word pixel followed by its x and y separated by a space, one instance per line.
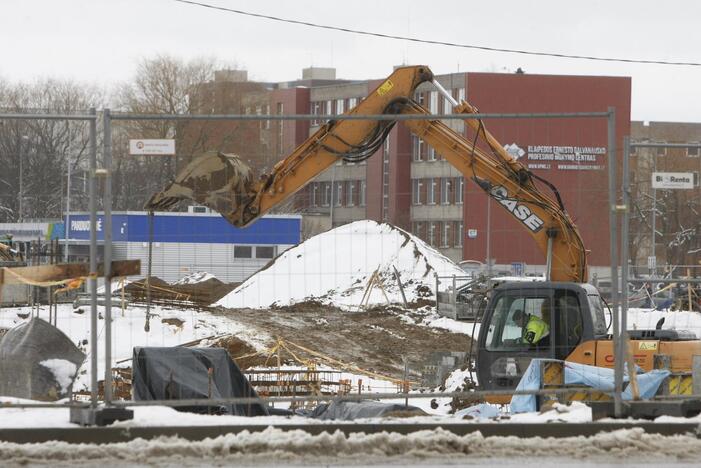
pixel 624 244
pixel 30 116
pixel 107 246
pixel 351 396
pixel 489 235
pixel 676 280
pixel 653 220
pixel 21 175
pixel 68 208
pixel 476 395
pixel 92 282
pixel 613 219
pixel 273 117
pixel 445 93
pixel 549 259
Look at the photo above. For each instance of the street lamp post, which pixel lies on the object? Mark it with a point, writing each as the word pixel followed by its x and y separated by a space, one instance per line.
pixel 68 209
pixel 21 187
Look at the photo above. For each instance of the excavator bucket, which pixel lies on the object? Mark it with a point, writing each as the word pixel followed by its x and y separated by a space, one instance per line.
pixel 219 181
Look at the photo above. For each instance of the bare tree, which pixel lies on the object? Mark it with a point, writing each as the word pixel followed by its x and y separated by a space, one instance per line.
pixel 36 154
pixel 168 85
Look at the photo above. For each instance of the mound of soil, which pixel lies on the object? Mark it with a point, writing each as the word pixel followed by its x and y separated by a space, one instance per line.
pixel 203 293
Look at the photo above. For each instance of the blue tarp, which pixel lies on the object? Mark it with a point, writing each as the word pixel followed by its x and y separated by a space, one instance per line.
pixel 600 378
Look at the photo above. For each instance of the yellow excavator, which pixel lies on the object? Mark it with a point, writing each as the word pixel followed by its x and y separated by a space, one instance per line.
pixel 572 309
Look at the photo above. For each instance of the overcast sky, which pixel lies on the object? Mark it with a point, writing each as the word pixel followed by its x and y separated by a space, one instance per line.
pixel 101 40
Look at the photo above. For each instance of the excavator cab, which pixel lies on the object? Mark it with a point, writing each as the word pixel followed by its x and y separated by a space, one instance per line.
pixel 566 314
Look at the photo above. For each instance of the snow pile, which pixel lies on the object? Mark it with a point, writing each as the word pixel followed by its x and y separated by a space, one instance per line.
pixel 196 277
pixel 64 371
pixel 335 267
pixel 575 412
pixel 646 319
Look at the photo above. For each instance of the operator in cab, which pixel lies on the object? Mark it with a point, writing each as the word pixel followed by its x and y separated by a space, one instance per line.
pixel 534 329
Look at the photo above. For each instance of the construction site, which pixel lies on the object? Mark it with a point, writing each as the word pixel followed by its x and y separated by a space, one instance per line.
pixel 430 266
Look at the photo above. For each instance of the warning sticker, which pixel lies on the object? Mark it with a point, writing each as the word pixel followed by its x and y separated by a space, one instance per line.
pixel 647 346
pixel 385 87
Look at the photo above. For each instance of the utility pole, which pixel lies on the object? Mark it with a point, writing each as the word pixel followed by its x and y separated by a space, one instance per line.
pixel 489 235
pixel 21 185
pixel 68 208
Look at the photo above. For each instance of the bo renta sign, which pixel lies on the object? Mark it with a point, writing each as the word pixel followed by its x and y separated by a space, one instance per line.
pixel 164 147
pixel 673 180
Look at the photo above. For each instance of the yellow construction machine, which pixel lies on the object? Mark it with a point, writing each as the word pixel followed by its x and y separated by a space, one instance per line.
pixel 573 309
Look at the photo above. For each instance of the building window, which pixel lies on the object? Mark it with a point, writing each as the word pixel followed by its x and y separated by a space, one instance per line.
pixel 338 194
pixel 458 234
pixel 350 193
pixel 446 186
pixel 416 188
pixel 696 178
pixel 661 151
pixel 431 192
pixel 446 234
pixel 692 152
pixel 420 98
pixel 280 129
pixel 363 185
pixel 243 251
pixel 417 148
pixel 265 251
pixel 316 109
pixel 432 232
pixel 460 95
pixel 266 122
pixel 433 102
pixel 315 194
pixel 340 106
pixel 431 154
pixel 326 194
pixel 352 102
pixel 417 228
pixel 459 190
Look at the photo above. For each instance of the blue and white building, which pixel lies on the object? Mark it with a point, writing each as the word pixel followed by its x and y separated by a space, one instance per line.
pixel 183 243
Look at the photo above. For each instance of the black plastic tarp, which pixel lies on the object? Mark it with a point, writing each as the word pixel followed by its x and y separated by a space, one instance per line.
pixel 347 410
pixel 38 361
pixel 183 374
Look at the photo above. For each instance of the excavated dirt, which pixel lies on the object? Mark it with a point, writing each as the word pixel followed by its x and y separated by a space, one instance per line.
pixel 202 293
pixel 244 354
pixel 376 340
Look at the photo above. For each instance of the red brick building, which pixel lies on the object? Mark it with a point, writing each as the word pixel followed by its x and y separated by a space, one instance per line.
pixel 408 184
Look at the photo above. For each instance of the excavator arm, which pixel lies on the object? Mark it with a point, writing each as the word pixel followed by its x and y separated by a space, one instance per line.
pixel 225 184
pixel 512 185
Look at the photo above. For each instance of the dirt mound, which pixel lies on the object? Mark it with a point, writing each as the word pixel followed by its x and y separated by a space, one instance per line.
pixel 376 340
pixel 201 293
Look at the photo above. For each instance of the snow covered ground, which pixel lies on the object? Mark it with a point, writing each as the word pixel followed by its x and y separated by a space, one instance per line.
pixel 334 268
pixel 168 327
